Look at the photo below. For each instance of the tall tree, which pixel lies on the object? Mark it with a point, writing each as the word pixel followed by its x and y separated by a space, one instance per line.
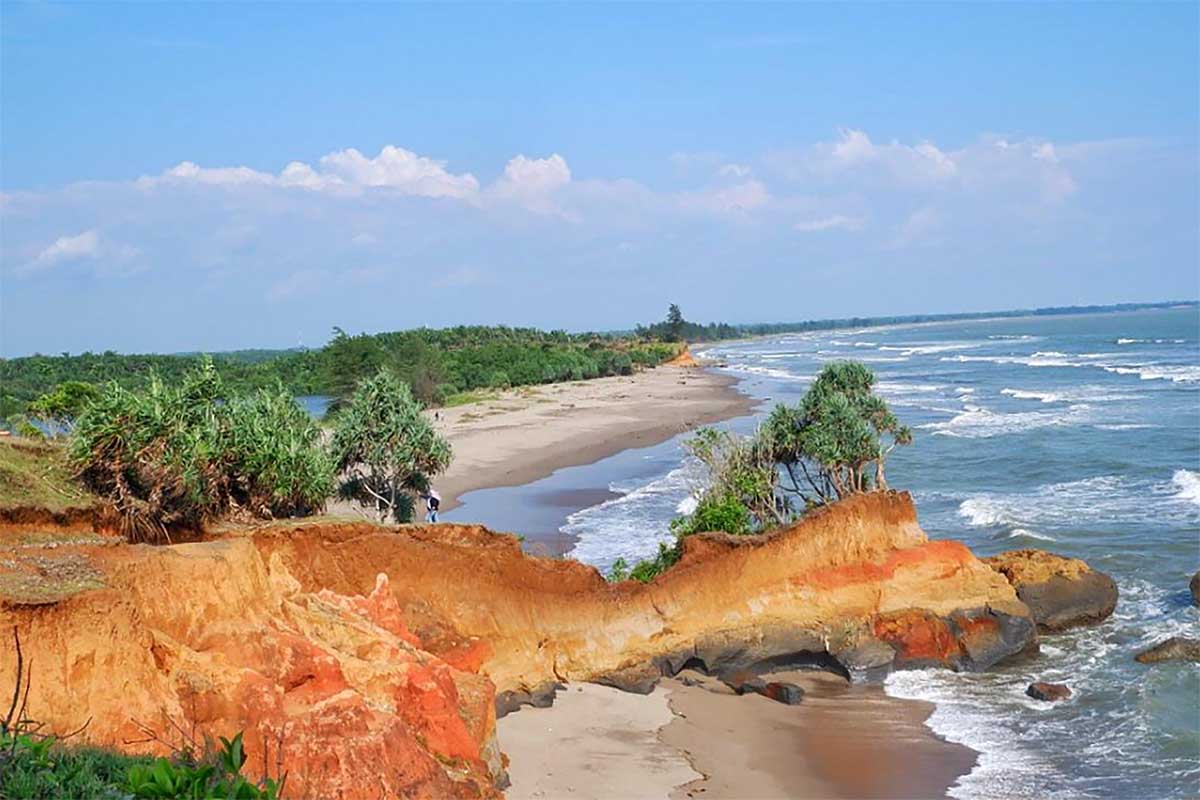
pixel 675 323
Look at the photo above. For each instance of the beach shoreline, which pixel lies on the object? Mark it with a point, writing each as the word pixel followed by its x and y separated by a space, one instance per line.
pixel 526 434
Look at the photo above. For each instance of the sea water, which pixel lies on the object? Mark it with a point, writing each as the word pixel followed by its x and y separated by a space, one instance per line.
pixel 1076 434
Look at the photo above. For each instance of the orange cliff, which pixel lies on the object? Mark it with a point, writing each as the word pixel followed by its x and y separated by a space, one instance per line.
pixel 374 658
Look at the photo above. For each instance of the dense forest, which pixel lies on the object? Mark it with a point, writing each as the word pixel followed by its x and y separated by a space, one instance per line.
pixel 437 364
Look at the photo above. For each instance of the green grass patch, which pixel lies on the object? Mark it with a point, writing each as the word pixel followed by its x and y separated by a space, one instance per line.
pixel 37 474
pixel 467 398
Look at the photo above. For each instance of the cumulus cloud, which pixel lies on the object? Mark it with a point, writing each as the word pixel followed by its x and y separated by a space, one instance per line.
pixel 349 170
pixel 531 182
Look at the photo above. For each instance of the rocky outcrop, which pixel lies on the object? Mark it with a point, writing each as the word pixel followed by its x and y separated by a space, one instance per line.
pixel 376 658
pixel 1177 648
pixel 1050 692
pixel 1061 592
pixel 1194 588
pixel 204 640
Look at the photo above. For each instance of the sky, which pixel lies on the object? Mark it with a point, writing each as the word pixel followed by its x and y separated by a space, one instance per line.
pixel 181 177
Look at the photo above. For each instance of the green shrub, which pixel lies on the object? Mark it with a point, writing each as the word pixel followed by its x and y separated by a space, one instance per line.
pixel 716 513
pixel 173 456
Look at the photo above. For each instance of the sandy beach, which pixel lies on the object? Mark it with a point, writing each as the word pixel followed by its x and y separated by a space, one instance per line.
pixel 528 433
pixel 694 738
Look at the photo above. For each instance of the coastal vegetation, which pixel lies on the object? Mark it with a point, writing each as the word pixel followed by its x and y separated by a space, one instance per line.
pixel 832 444
pixel 386 448
pixel 176 455
pixel 173 456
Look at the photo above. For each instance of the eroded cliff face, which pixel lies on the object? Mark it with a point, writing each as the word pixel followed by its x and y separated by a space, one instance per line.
pixel 373 656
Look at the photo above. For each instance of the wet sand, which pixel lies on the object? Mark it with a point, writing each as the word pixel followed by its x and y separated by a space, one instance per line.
pixel 695 738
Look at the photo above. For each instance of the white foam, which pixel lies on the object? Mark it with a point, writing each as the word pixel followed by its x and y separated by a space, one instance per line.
pixel 921 349
pixel 976 422
pixel 631 526
pixel 1151 341
pixel 768 372
pixel 1088 394
pixel 1102 500
pixel 1188 483
pixel 1019 532
pixel 1176 373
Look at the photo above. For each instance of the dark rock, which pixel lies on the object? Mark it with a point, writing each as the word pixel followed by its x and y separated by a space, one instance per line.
pixel 1050 692
pixel 783 692
pixel 636 678
pixel 987 637
pixel 867 654
pixel 1061 603
pixel 540 696
pixel 1194 585
pixel 744 683
pixel 762 650
pixel 1177 648
pixel 1061 592
pixel 973 639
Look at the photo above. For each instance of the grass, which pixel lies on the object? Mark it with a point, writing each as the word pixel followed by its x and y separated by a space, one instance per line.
pixel 76 772
pixel 36 474
pixel 467 398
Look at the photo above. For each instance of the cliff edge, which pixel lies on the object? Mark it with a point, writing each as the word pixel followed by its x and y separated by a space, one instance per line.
pixel 361 659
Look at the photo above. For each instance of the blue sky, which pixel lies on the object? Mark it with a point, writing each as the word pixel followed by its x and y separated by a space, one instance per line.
pixel 180 177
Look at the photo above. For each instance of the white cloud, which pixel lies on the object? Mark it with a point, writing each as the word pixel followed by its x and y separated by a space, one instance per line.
pixel 69 248
pixel 397 168
pixel 734 171
pixel 394 168
pixel 88 245
pixel 531 182
pixel 833 222
pixel 737 199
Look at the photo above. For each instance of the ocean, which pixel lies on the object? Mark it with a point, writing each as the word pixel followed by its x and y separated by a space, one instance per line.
pixel 1075 434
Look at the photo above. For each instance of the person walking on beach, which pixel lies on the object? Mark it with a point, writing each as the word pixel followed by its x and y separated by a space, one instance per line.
pixel 433 501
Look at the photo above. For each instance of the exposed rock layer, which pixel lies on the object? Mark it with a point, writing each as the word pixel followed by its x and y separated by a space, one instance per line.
pixel 1061 592
pixel 374 654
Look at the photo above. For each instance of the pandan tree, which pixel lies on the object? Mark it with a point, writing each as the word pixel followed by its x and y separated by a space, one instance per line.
pixel 837 439
pixel 386 448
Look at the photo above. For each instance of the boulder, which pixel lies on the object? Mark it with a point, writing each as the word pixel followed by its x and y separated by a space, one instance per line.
pixel 783 692
pixel 1061 592
pixel 780 691
pixel 1050 692
pixel 1177 648
pixel 540 696
pixel 1194 586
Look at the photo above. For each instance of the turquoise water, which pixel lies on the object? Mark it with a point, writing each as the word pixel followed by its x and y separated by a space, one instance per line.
pixel 1079 435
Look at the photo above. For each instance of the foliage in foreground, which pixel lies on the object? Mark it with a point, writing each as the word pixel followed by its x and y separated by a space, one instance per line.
pixel 175 456
pixel 36 767
pixel 832 444
pixel 386 447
